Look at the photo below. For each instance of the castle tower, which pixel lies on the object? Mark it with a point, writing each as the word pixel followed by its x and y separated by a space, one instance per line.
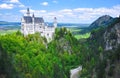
pixel 33 17
pixel 55 22
pixel 33 22
pixel 28 12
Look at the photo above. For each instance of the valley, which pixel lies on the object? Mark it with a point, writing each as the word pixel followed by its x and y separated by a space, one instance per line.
pixel 72 48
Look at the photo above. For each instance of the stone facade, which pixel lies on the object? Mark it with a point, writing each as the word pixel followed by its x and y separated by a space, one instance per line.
pixel 32 24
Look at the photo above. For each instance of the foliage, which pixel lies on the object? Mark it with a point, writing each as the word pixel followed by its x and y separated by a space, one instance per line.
pixel 80 36
pixel 32 57
pixel 28 56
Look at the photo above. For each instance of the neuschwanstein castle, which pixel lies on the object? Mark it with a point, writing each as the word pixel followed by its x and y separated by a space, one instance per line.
pixel 32 24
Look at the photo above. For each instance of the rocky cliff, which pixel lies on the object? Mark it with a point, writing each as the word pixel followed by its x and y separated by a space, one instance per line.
pixel 105 41
pixel 108 37
pixel 112 37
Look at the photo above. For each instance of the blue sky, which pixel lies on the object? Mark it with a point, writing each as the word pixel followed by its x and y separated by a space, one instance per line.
pixel 66 11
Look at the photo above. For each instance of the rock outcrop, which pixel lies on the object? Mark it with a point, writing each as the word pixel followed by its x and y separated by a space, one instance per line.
pixel 112 36
pixel 108 37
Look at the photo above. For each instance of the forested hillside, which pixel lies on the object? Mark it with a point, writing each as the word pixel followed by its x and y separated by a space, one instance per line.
pixel 32 57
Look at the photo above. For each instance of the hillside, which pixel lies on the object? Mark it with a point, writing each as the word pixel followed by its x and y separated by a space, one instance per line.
pixel 106 42
pixel 101 21
pixel 19 58
pixel 33 57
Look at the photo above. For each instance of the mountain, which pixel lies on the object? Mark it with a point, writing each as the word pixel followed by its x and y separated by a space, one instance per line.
pixel 108 37
pixel 106 43
pixel 3 22
pixel 101 21
pixel 112 35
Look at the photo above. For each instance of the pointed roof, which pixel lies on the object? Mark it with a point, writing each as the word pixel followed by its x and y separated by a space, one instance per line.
pixel 28 12
pixel 39 20
pixel 28 19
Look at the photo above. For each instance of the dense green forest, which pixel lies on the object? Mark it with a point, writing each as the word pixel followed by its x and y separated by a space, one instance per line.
pixel 32 57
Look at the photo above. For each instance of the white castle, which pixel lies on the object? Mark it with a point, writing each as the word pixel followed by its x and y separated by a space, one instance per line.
pixel 32 24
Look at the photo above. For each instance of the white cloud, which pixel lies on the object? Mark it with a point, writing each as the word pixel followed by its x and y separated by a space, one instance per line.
pixel 54 1
pixel 78 15
pixel 14 1
pixel 44 3
pixel 36 12
pixel 6 6
pixel 83 9
pixel 21 6
pixel 117 7
pixel 65 10
pixel 42 11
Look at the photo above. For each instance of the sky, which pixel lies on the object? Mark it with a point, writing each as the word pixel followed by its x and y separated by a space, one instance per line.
pixel 66 11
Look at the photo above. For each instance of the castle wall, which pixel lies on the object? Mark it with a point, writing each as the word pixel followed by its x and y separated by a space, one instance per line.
pixel 28 26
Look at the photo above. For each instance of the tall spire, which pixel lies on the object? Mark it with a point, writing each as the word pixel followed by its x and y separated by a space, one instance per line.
pixel 33 15
pixel 55 22
pixel 28 12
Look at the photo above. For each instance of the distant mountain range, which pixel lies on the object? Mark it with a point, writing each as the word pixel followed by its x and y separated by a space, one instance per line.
pixel 9 25
pixel 16 25
pixel 102 21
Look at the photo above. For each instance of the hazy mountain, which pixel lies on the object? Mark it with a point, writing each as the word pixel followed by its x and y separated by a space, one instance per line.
pixel 101 21
pixel 16 25
pixel 3 22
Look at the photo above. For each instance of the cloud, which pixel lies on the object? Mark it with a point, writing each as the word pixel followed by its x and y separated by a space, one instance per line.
pixel 44 3
pixel 21 5
pixel 14 1
pixel 77 15
pixel 36 12
pixel 6 6
pixel 54 1
pixel 65 10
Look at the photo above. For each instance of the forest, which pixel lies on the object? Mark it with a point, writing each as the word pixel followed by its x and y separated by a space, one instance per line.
pixel 33 57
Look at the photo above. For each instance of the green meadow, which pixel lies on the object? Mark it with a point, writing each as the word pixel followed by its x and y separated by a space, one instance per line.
pixel 76 33
pixel 3 32
pixel 74 30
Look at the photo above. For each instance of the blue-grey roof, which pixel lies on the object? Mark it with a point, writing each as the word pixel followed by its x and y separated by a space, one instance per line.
pixel 39 20
pixel 28 19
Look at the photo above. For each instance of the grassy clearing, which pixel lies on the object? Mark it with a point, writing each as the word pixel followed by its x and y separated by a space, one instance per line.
pixel 76 33
pixel 74 29
pixel 79 36
pixel 3 32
